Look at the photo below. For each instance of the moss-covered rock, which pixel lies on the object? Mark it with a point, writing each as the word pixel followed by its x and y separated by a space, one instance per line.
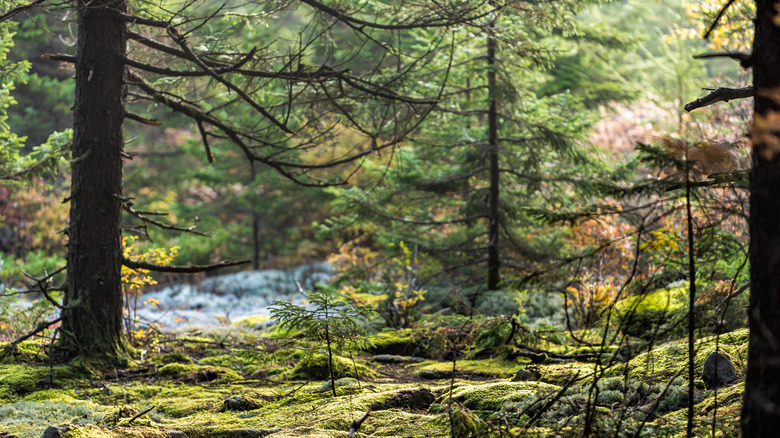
pixel 400 342
pixel 409 399
pixel 177 369
pixel 175 357
pixel 19 382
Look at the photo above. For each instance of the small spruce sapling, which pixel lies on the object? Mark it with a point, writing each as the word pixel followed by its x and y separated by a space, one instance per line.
pixel 328 318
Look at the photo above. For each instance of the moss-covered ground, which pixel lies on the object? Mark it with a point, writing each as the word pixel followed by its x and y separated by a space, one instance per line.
pixel 240 384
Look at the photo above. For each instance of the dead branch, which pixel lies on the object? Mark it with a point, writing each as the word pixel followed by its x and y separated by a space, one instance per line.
pixel 142 215
pixel 144 120
pixel 19 9
pixel 43 285
pixel 41 327
pixel 132 264
pixel 356 424
pixel 132 19
pixel 720 95
pixel 434 21
pixel 741 289
pixel 139 415
pixel 231 86
pixel 745 59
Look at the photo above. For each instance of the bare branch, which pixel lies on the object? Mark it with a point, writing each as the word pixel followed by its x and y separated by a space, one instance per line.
pixel 357 423
pixel 435 21
pixel 158 224
pixel 145 121
pixel 132 19
pixel 720 95
pixel 59 57
pixel 19 9
pixel 745 59
pixel 717 19
pixel 180 41
pixel 41 327
pixel 182 269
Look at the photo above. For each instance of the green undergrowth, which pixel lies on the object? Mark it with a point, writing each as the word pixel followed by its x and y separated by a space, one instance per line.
pixel 220 383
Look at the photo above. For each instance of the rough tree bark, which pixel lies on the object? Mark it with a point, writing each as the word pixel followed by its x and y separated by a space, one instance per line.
pixel 494 261
pixel 761 411
pixel 92 314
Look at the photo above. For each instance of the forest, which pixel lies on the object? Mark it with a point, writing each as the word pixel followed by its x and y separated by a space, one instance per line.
pixel 389 218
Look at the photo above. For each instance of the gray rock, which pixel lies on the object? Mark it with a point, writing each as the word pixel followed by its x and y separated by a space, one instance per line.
pixel 175 433
pixel 524 375
pixel 239 403
pixel 718 370
pixel 54 432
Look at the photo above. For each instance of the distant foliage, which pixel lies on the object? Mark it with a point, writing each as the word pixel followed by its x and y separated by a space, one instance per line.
pixel 133 281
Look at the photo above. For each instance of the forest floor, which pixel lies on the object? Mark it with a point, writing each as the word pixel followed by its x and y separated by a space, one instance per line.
pixel 236 383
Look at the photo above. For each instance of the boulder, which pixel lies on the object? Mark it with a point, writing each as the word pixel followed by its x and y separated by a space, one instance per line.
pixel 718 370
pixel 55 432
pixel 240 403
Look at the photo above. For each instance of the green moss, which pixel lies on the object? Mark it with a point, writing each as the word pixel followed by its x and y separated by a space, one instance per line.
pixel 641 315
pixel 29 419
pixel 497 395
pixel 482 368
pixel 401 342
pixel 177 369
pixel 175 357
pixel 668 360
pixel 253 321
pixel 19 382
pixel 315 367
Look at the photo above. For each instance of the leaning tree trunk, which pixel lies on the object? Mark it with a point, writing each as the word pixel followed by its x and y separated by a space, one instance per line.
pixel 761 411
pixel 92 314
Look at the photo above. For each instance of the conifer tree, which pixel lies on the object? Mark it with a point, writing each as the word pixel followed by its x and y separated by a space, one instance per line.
pixel 279 99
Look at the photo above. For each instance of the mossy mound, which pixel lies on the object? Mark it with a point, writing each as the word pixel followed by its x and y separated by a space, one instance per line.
pixel 19 382
pixel 498 395
pixel 196 373
pixel 663 363
pixel 401 342
pixel 315 367
pixel 643 315
pixel 478 368
pixel 175 357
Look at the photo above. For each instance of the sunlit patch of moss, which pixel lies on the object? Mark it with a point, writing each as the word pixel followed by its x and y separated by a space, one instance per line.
pixel 482 368
pixel 496 395
pixel 177 369
pixel 62 395
pixel 315 367
pixel 671 359
pixel 401 342
pixel 28 419
pixel 175 357
pixel 561 373
pixel 253 321
pixel 246 362
pixel 19 382
pixel 309 432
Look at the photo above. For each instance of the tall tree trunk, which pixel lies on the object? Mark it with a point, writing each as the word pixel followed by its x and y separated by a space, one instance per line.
pixel 92 318
pixel 494 263
pixel 255 226
pixel 761 411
